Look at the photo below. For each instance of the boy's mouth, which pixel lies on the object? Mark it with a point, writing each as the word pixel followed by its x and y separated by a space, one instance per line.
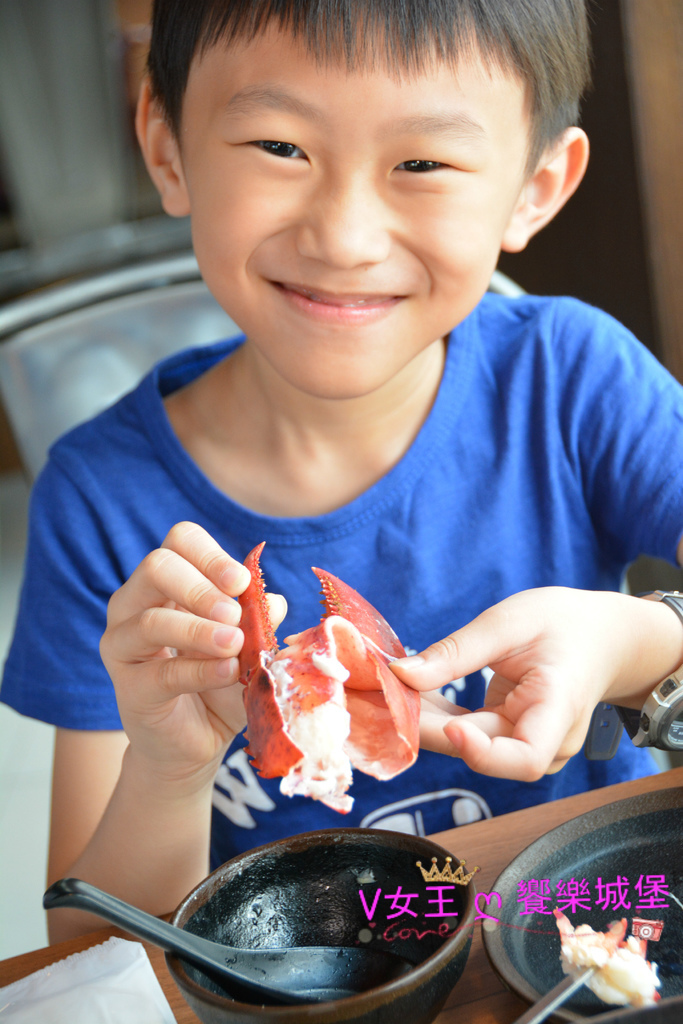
pixel 336 309
pixel 342 300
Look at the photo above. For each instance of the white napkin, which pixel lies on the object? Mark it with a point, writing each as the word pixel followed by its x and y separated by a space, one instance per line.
pixel 112 983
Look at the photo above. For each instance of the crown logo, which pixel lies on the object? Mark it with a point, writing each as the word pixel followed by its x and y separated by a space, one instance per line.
pixel 457 877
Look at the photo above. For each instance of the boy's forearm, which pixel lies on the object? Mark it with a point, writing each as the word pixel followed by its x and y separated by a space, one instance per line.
pixel 150 848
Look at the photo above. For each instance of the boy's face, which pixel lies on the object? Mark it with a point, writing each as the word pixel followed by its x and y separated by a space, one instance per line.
pixel 346 221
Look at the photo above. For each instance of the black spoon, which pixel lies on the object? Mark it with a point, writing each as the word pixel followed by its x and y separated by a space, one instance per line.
pixel 299 974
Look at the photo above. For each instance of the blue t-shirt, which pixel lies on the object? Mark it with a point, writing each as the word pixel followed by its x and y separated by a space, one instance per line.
pixel 553 455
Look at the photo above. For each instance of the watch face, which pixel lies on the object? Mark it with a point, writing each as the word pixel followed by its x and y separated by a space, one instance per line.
pixel 673 731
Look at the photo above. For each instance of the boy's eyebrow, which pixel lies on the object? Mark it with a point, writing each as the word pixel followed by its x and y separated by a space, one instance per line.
pixel 273 97
pixel 456 123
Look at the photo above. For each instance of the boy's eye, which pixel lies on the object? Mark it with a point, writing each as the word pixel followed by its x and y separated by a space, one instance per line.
pixel 419 166
pixel 284 149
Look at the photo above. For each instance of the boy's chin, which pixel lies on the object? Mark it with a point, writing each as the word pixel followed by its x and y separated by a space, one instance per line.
pixel 351 383
pixel 338 369
pixel 336 390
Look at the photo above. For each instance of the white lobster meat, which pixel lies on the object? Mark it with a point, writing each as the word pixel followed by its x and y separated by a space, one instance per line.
pixel 623 975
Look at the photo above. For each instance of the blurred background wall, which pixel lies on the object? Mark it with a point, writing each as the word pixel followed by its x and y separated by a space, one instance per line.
pixel 74 195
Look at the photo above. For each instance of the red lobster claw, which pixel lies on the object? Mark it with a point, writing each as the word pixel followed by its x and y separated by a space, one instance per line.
pixel 327 701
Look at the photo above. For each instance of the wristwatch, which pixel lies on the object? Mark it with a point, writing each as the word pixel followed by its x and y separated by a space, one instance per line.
pixel 660 721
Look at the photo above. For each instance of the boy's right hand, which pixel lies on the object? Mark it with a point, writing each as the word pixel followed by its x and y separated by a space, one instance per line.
pixel 171 647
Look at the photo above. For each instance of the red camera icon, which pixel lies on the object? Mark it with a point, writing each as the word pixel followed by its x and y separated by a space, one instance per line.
pixel 644 929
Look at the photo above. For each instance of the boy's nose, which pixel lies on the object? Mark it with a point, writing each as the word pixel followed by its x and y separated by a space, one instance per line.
pixel 345 228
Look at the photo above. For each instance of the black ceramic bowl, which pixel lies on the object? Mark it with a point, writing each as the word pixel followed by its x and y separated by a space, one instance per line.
pixel 304 891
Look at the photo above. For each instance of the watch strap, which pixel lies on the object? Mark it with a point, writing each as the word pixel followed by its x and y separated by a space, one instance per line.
pixel 604 733
pixel 630 718
pixel 674 599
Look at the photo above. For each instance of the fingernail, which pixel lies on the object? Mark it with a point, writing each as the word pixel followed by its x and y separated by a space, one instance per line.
pixel 414 661
pixel 227 667
pixel 236 577
pixel 226 636
pixel 454 736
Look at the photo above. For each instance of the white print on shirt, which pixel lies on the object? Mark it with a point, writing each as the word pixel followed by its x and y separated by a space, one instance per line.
pixel 466 808
pixel 240 793
pixel 451 690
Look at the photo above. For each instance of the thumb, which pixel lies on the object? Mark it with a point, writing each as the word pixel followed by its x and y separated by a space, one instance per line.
pixel 458 654
pixel 277 608
pixel 492 636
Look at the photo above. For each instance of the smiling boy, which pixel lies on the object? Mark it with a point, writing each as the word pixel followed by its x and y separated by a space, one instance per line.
pixel 352 171
pixel 344 265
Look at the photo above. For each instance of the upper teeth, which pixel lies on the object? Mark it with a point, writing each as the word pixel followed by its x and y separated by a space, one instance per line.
pixel 319 298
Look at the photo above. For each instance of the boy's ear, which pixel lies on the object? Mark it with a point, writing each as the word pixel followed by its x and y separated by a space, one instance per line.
pixel 557 176
pixel 162 154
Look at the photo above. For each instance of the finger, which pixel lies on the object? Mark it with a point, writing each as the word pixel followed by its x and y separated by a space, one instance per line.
pixel 165 679
pixel 491 744
pixel 498 633
pixel 497 756
pixel 436 702
pixel 142 636
pixel 436 732
pixel 484 640
pixel 227 704
pixel 200 549
pixel 501 756
pixel 498 689
pixel 165 576
pixel 277 608
pixel 433 716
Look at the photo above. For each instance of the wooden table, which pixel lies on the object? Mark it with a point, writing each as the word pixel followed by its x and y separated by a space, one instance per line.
pixel 479 997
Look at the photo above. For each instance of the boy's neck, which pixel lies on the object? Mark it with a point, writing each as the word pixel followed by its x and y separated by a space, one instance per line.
pixel 283 453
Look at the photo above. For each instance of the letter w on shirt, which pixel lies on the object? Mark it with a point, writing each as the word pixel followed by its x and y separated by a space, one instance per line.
pixel 239 794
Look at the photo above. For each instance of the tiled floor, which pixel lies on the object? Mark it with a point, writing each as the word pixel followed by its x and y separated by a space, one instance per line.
pixel 25 760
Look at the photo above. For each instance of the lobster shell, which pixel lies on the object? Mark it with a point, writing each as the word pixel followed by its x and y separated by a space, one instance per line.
pixel 327 701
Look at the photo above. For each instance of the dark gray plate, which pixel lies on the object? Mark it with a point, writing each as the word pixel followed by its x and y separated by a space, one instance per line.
pixel 636 837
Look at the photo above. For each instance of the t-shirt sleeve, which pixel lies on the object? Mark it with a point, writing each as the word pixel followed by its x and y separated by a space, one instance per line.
pixel 623 422
pixel 54 671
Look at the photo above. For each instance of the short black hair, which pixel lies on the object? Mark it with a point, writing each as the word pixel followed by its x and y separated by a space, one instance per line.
pixel 545 43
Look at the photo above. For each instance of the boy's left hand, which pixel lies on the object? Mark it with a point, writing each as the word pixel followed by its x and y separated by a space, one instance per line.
pixel 555 654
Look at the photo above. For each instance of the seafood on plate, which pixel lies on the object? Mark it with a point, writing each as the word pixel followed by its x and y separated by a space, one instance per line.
pixel 328 701
pixel 623 975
